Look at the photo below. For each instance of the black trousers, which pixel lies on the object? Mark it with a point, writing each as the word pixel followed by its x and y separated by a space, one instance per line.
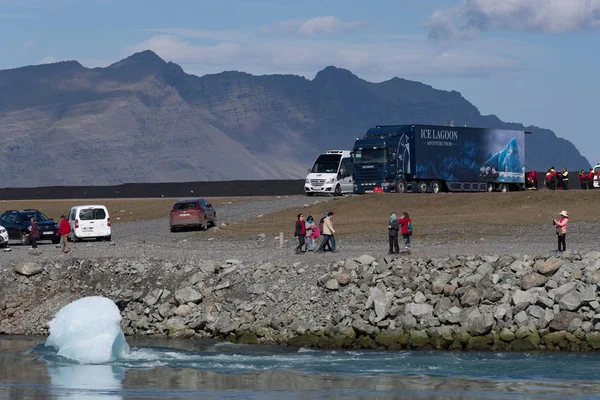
pixel 325 243
pixel 33 242
pixel 301 241
pixel 562 239
pixel 590 184
pixel 394 245
pixel 583 185
pixel 565 184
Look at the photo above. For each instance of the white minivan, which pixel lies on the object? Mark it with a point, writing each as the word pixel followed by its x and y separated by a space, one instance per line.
pixel 89 222
pixel 331 173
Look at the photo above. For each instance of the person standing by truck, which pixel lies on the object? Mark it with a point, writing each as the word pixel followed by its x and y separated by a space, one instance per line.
pixel 300 233
pixel 561 231
pixel 583 179
pixel 393 234
pixel 565 178
pixel 590 179
pixel 406 230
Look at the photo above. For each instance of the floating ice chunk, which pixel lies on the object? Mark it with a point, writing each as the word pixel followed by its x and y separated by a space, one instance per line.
pixel 88 331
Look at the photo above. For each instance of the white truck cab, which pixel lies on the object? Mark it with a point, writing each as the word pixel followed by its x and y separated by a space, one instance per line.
pixel 331 173
pixel 596 177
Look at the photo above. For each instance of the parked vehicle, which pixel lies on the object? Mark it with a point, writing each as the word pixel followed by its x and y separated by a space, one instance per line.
pixel 429 158
pixel 331 173
pixel 192 212
pixel 3 237
pixel 596 177
pixel 89 222
pixel 17 223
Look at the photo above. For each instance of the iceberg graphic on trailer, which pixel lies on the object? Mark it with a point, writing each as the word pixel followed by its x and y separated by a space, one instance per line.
pixel 507 163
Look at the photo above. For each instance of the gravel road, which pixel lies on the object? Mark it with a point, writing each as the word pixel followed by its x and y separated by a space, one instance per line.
pixel 152 239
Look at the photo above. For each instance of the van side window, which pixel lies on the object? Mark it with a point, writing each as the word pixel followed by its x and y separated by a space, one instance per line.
pixel 72 215
pixel 99 213
pixel 86 215
pixel 347 166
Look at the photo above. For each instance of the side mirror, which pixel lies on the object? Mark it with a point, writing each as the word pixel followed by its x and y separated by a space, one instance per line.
pixel 209 205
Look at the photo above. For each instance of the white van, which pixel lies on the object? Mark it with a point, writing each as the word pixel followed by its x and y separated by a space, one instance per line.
pixel 331 173
pixel 596 183
pixel 89 222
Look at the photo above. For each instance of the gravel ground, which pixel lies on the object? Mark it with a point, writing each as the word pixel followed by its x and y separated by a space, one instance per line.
pixel 152 239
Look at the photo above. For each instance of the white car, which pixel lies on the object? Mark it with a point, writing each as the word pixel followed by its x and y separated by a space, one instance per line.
pixel 3 237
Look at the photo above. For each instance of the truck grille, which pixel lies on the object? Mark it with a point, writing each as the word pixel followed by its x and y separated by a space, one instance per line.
pixel 317 182
pixel 371 175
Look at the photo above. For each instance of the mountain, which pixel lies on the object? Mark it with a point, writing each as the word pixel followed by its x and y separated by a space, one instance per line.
pixel 145 120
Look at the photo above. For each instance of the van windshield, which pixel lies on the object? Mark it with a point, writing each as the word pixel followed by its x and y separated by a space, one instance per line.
pixel 370 156
pixel 327 164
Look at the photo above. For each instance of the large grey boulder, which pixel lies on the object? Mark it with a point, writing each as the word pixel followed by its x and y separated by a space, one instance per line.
pixel 571 301
pixel 332 284
pixel 28 269
pixel 419 310
pixel 533 280
pixel 152 297
pixel 550 266
pixel 479 323
pixel 471 297
pixel 437 286
pixel 208 267
pixel 366 259
pixel 257 288
pixel 187 295
pixel 561 321
pixel 381 302
pixel 520 298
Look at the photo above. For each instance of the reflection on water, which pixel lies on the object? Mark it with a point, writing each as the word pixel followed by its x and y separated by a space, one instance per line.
pixel 204 370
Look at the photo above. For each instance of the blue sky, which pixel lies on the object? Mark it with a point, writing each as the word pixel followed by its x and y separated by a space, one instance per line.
pixel 528 61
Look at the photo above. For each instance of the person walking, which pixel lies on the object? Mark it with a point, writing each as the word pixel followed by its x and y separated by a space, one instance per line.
pixel 583 179
pixel 300 233
pixel 64 228
pixel 311 229
pixel 561 231
pixel 565 178
pixel 328 234
pixel 33 235
pixel 406 230
pixel 321 223
pixel 393 234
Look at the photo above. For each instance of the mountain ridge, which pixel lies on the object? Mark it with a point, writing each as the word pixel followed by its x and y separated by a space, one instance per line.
pixel 143 119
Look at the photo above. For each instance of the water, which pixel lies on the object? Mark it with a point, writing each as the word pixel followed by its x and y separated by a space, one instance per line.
pixel 190 369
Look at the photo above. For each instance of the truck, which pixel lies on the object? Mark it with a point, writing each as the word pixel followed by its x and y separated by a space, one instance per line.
pixel 331 173
pixel 434 158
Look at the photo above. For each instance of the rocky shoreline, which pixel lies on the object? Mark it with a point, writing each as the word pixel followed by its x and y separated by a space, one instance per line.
pixel 506 302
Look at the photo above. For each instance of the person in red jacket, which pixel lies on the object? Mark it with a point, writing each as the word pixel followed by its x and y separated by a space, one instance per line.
pixel 405 224
pixel 590 179
pixel 64 228
pixel 583 179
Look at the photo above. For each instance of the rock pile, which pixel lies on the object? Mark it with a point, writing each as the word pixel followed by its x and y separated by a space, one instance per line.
pixel 508 302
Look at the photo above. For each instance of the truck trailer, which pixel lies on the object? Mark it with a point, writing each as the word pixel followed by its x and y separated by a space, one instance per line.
pixel 431 158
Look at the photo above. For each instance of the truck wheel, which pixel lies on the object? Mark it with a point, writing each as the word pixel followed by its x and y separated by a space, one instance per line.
pixel 423 186
pixel 401 186
pixel 309 194
pixel 504 188
pixel 435 187
pixel 490 187
pixel 337 191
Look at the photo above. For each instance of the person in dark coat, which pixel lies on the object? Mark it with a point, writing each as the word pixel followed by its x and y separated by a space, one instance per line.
pixel 393 234
pixel 34 234
pixel 300 233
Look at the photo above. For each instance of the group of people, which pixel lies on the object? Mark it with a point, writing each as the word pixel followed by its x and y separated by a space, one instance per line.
pixel 64 228
pixel 587 178
pixel 307 232
pixel 556 180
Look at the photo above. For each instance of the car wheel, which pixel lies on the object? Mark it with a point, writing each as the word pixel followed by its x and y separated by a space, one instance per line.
pixel 108 238
pixel 423 187
pixel 204 224
pixel 338 190
pixel 55 241
pixel 435 187
pixel 173 229
pixel 310 194
pixel 24 239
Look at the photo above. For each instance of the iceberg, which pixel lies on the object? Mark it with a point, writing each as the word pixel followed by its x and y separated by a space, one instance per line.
pixel 88 331
pixel 508 159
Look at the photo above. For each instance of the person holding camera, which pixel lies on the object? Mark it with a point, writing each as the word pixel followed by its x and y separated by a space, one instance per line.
pixel 561 231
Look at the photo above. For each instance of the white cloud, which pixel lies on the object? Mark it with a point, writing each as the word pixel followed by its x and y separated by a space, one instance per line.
pixel 313 27
pixel 215 35
pixel 470 17
pixel 49 60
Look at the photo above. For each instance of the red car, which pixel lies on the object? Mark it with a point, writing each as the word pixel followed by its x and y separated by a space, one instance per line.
pixel 192 213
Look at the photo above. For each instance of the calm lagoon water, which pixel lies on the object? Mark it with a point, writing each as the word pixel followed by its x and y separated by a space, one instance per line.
pixel 190 369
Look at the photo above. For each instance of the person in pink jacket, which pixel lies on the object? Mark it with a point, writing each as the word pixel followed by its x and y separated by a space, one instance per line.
pixel 561 231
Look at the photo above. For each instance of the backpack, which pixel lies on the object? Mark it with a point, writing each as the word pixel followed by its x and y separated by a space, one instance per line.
pixel 410 228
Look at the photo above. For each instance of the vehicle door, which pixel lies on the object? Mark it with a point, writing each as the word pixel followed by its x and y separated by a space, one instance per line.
pixel 345 175
pixel 71 219
pixel 8 221
pixel 101 222
pixel 86 222
pixel 208 209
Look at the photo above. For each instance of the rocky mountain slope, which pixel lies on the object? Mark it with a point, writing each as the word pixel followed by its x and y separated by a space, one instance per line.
pixel 145 120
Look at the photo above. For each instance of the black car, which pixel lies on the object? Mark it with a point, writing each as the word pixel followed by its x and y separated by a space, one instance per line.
pixel 17 224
